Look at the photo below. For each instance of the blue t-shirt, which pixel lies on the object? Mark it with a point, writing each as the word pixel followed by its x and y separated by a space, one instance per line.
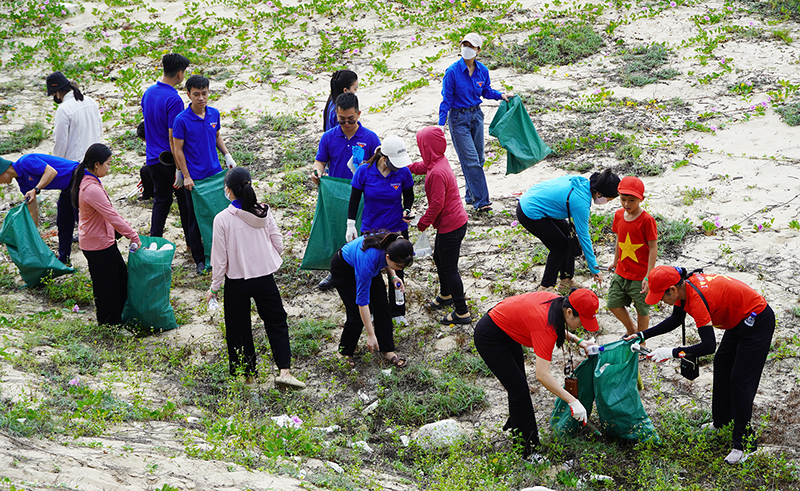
pixel 368 264
pixel 335 149
pixel 160 105
pixel 333 120
pixel 199 137
pixel 30 169
pixel 383 197
pixel 459 90
pixel 548 199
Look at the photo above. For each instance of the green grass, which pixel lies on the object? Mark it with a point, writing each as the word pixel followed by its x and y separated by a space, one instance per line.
pixel 307 335
pixel 553 45
pixel 25 138
pixel 672 232
pixel 790 113
pixel 70 289
pixel 642 65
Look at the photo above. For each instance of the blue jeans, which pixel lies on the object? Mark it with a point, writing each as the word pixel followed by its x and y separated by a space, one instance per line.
pixel 466 131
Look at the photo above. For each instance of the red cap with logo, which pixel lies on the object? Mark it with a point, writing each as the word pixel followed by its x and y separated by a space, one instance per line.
pixel 659 280
pixel 585 304
pixel 631 185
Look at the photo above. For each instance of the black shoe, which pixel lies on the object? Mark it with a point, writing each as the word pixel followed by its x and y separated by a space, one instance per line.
pixel 201 268
pixel 327 283
pixel 75 239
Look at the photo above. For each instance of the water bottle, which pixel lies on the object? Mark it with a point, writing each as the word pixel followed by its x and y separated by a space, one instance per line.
pixel 750 320
pixel 399 297
pixel 213 305
pixel 594 349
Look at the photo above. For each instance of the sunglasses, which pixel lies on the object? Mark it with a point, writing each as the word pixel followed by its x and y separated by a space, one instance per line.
pixel 351 120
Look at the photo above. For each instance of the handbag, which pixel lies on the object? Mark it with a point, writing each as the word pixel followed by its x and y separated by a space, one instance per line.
pixel 570 381
pixel 573 242
pixel 690 366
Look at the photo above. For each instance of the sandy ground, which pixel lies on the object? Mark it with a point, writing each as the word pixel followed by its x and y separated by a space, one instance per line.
pixel 752 166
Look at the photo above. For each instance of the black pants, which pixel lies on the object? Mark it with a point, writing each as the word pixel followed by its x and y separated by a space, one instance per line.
pixel 446 251
pixel 147 182
pixel 163 177
pixel 394 309
pixel 109 283
pixel 65 222
pixel 738 364
pixel 238 326
pixel 504 358
pixel 553 234
pixel 344 279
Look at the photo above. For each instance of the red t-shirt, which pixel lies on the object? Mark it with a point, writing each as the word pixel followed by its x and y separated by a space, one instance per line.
pixel 632 242
pixel 524 318
pixel 730 301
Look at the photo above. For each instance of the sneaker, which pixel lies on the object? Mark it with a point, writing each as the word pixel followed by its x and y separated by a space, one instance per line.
pixel 400 320
pixel 736 456
pixel 326 284
pixel 201 268
pixel 708 427
pixel 569 283
pixel 290 381
pixel 543 288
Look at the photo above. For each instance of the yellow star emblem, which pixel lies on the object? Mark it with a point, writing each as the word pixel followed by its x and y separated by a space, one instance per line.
pixel 629 250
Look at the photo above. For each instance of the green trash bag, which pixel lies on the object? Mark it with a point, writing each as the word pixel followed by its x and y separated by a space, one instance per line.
pixel 513 128
pixel 609 381
pixel 561 421
pixel 149 282
pixel 330 222
pixel 27 248
pixel 208 198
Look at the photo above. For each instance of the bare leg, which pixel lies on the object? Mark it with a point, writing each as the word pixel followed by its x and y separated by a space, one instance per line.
pixel 622 314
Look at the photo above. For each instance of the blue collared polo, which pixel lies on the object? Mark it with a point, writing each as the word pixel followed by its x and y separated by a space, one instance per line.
pixel 30 169
pixel 199 137
pixel 459 90
pixel 336 150
pixel 367 264
pixel 383 197
pixel 161 104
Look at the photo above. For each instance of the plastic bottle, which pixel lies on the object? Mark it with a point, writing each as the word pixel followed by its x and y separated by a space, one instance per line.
pixel 399 297
pixel 213 305
pixel 594 349
pixel 750 320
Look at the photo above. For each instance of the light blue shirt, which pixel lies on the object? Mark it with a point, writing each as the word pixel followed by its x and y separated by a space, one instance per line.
pixel 368 264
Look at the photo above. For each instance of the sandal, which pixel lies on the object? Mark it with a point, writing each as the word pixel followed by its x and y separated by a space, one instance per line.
pixel 453 318
pixel 484 209
pixel 397 361
pixel 439 302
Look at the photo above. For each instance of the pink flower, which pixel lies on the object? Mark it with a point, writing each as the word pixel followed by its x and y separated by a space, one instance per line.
pixel 606 139
pixel 760 227
pixel 717 222
pixel 243 57
pixel 76 309
pixel 274 81
pixel 713 128
pixel 706 18
pixel 296 421
pixel 192 50
pixel 672 4
pixel 75 382
pixel 514 223
pixel 413 38
pixel 356 51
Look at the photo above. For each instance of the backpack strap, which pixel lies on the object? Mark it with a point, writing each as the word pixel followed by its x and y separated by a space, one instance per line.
pixel 704 301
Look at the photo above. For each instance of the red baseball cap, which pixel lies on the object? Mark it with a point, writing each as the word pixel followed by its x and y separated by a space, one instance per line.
pixel 659 280
pixel 585 304
pixel 631 185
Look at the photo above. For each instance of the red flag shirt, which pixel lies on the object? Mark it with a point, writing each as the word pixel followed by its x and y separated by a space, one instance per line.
pixel 524 319
pixel 729 300
pixel 632 244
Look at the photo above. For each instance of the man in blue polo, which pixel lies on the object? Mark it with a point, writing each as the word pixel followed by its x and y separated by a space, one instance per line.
pixel 335 150
pixel 161 104
pixel 196 138
pixel 35 172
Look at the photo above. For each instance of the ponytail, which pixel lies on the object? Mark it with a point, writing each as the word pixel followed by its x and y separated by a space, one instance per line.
pixel 685 274
pixel 400 250
pixel 375 157
pixel 77 93
pixel 97 153
pixel 555 316
pixel 340 80
pixel 238 181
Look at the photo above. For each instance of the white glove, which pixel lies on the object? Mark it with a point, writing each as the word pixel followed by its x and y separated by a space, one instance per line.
pixel 178 179
pixel 229 161
pixel 578 411
pixel 661 354
pixel 351 231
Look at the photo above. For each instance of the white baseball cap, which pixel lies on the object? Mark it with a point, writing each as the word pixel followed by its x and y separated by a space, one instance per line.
pixel 394 148
pixel 474 39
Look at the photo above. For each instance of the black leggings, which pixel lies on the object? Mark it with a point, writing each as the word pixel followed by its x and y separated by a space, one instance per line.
pixel 163 177
pixel 553 234
pixel 504 358
pixel 446 251
pixel 238 326
pixel 109 283
pixel 344 278
pixel 738 364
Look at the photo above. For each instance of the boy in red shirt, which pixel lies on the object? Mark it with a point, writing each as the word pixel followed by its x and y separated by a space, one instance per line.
pixel 636 250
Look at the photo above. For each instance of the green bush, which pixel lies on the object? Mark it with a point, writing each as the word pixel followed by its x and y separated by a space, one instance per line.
pixel 27 137
pixel 790 113
pixel 307 335
pixel 641 65
pixel 672 232
pixel 552 45
pixel 70 290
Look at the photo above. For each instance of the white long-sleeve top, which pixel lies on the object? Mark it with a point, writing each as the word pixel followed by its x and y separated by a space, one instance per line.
pixel 77 125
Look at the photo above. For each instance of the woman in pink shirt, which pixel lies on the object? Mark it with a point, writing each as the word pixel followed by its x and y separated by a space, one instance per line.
pixel 245 253
pixel 446 213
pixel 97 221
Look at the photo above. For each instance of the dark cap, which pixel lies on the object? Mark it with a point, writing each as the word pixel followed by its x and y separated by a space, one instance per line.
pixel 4 164
pixel 55 82
pixel 605 183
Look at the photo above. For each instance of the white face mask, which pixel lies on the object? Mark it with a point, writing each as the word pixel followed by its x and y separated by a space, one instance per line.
pixel 468 53
pixel 227 195
pixel 601 200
